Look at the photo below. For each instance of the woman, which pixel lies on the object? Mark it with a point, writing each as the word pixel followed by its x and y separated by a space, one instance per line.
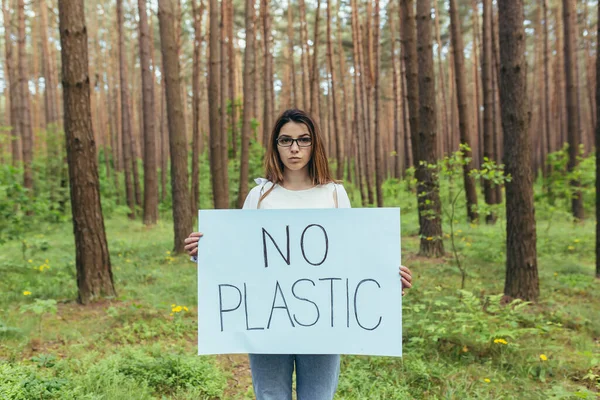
pixel 298 176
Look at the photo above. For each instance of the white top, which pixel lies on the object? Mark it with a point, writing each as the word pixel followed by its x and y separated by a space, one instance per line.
pixel 320 196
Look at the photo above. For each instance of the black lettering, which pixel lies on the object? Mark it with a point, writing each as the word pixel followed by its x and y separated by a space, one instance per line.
pixel 355 308
pixel 347 305
pixel 331 295
pixel 221 310
pixel 285 307
pixel 326 245
pixel 265 234
pixel 246 310
pixel 307 300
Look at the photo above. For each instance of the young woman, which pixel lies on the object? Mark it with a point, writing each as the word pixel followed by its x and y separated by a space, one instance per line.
pixel 298 176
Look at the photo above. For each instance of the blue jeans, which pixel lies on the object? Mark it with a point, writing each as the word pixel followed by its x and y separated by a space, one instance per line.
pixel 316 376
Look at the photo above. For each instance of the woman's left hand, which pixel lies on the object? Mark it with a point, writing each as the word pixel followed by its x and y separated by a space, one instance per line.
pixel 406 278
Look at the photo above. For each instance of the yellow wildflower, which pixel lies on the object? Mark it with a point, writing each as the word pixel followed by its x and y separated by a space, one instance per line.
pixel 47 262
pixel 487 380
pixel 173 305
pixel 465 349
pixel 468 244
pixel 185 308
pixel 171 314
pixel 500 341
pixel 459 231
pixel 429 238
pixel 26 293
pixel 30 261
pixel 168 252
pixel 556 274
pixel 543 357
pixel 576 240
pixel 177 309
pixel 571 248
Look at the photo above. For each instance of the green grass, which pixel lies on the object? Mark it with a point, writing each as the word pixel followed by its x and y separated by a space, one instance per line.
pixel 130 347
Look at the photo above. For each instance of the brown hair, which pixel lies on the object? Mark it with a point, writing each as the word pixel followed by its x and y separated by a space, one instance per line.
pixel 318 167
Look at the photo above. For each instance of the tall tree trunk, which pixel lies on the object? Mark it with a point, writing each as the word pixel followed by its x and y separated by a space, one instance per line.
pixel 293 101
pixel 12 84
pixel 304 42
pixel 197 14
pixel 432 243
pixel 150 175
pixel 182 218
pixel 347 136
pixel 379 167
pixel 249 66
pixel 598 149
pixel 463 110
pixel 521 257
pixel 232 86
pixel 357 124
pixel 224 157
pixel 314 70
pixel 488 104
pixel 268 72
pixel 445 134
pixel 336 117
pixel 571 71
pixel 477 122
pixel 364 118
pixel 92 259
pixel 548 115
pixel 24 103
pixel 50 81
pixel 125 115
pixel 398 144
pixel 220 190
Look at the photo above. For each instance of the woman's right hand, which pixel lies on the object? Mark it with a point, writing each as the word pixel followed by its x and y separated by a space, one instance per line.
pixel 191 243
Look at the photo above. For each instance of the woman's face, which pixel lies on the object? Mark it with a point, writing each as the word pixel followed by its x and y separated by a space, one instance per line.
pixel 294 145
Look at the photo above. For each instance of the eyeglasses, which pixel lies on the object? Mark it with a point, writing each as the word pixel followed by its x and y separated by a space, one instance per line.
pixel 286 141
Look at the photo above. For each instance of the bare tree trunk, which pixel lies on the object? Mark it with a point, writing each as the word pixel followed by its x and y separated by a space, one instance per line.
pixel 304 42
pixel 50 78
pixel 314 70
pixel 150 175
pixel 571 71
pixel 445 136
pixel 488 104
pixel 379 167
pixel 268 72
pixel 478 137
pixel 345 137
pixel 12 84
pixel 220 191
pixel 398 144
pixel 547 123
pixel 198 14
pixel 182 218
pixel 336 121
pixel 249 66
pixel 463 110
pixel 24 104
pixel 92 259
pixel 598 150
pixel 432 242
pixel 224 157
pixel 125 116
pixel 521 256
pixel 293 101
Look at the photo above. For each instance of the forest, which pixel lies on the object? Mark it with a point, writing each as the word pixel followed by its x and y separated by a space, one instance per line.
pixel 120 119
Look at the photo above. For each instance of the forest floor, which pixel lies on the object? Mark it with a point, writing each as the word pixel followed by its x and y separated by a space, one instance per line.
pixel 457 344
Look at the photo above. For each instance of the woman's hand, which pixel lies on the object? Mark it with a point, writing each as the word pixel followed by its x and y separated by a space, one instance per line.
pixel 406 278
pixel 191 243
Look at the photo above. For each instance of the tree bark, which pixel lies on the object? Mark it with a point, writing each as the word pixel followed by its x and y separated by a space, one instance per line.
pixel 598 150
pixel 488 105
pixel 445 134
pixel 521 257
pixel 305 71
pixel 224 157
pixel 150 173
pixel 398 144
pixel 24 103
pixel 125 114
pixel 293 100
pixel 220 190
pixel 50 76
pixel 463 110
pixel 198 13
pixel 12 84
pixel 379 162
pixel 336 117
pixel 267 72
pixel 314 70
pixel 571 71
pixel 249 66
pixel 182 218
pixel 432 243
pixel 92 259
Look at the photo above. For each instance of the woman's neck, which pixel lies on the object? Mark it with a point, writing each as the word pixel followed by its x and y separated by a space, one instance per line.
pixel 296 180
